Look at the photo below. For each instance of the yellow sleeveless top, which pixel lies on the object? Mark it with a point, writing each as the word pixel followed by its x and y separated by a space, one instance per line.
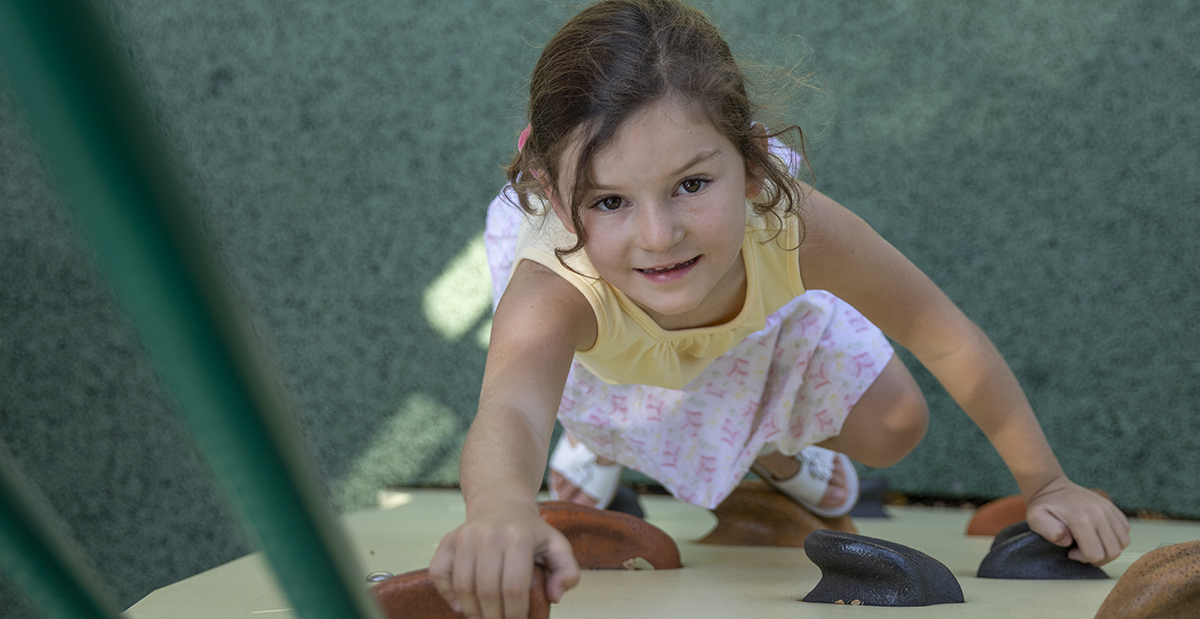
pixel 630 347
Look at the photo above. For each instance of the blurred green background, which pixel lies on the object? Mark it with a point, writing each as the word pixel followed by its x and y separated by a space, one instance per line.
pixel 1040 160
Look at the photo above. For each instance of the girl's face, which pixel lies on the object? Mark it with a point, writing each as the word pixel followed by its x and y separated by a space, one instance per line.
pixel 666 221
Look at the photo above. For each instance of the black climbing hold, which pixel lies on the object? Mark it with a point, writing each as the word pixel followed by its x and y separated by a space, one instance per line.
pixel 1018 553
pixel 871 493
pixel 626 501
pixel 875 572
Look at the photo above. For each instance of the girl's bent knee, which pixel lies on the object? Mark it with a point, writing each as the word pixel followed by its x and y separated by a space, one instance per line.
pixel 887 422
pixel 898 428
pixel 903 428
pixel 908 414
pixel 911 421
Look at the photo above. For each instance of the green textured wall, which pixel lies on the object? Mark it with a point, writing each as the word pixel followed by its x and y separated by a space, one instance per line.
pixel 1038 159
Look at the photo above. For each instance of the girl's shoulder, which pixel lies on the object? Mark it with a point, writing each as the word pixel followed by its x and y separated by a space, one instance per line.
pixel 538 299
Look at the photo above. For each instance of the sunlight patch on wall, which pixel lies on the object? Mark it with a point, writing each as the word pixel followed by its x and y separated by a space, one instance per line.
pixel 461 295
pixel 403 451
pixel 483 335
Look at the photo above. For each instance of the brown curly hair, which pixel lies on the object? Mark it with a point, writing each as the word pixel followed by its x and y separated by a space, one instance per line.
pixel 615 58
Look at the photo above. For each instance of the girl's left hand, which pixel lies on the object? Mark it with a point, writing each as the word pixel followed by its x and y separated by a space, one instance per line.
pixel 1066 513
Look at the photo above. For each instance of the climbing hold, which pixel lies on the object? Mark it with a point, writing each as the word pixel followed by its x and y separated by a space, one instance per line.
pixel 608 540
pixel 626 501
pixel 1018 553
pixel 993 517
pixel 412 596
pixel 1162 584
pixel 875 572
pixel 755 514
pixel 871 493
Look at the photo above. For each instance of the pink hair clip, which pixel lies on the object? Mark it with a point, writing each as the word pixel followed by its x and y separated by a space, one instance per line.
pixel 521 144
pixel 524 137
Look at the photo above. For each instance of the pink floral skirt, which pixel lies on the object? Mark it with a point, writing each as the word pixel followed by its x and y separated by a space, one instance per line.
pixel 785 387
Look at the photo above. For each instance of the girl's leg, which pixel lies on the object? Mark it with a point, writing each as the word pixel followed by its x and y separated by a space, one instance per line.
pixel 887 422
pixel 884 426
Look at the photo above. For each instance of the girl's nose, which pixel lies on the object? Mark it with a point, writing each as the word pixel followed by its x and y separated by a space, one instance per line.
pixel 659 228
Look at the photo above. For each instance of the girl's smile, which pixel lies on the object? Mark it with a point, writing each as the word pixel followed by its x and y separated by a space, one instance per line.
pixel 669 274
pixel 667 217
pixel 674 268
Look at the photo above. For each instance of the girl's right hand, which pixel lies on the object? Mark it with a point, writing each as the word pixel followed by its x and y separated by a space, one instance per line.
pixel 484 567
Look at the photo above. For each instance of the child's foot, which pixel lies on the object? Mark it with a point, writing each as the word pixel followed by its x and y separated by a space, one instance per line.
pixel 564 489
pixel 567 491
pixel 783 468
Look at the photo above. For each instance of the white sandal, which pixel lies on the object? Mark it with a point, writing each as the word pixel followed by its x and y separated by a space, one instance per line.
pixel 808 485
pixel 578 464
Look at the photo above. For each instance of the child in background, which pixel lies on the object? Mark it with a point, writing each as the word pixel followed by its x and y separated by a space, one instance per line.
pixel 687 308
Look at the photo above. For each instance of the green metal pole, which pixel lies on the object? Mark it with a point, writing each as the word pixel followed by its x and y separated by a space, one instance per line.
pixel 38 554
pixel 114 170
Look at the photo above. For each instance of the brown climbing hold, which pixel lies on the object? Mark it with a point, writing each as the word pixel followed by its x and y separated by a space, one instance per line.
pixel 608 540
pixel 412 595
pixel 1162 584
pixel 755 514
pixel 995 516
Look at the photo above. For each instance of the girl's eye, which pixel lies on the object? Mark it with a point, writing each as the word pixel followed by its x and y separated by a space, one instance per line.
pixel 611 203
pixel 693 185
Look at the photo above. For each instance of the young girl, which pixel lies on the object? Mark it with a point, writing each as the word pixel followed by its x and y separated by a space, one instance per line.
pixel 687 308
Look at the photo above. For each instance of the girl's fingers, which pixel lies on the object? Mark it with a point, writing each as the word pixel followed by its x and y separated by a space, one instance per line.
pixel 514 586
pixel 559 560
pixel 1115 535
pixel 1049 526
pixel 1112 545
pixel 1111 529
pixel 1100 540
pixel 1090 547
pixel 488 574
pixel 1123 528
pixel 1121 523
pixel 441 568
pixel 489 569
pixel 463 580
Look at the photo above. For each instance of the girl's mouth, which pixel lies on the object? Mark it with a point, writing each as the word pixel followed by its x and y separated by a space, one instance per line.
pixel 673 267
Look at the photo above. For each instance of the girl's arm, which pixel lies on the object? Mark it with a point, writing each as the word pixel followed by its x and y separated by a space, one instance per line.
pixel 484 567
pixel 843 255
